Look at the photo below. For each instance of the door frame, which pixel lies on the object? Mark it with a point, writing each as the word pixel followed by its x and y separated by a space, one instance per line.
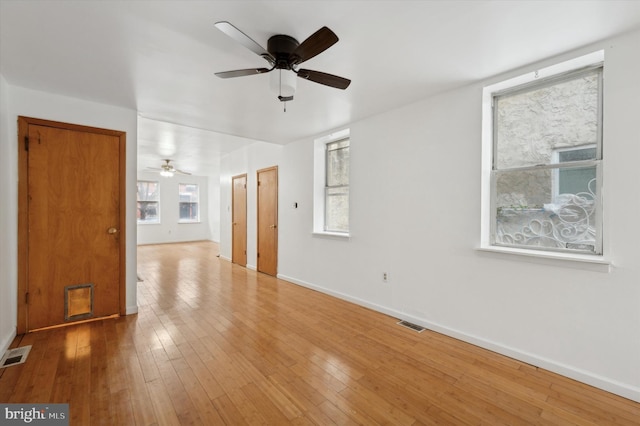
pixel 23 209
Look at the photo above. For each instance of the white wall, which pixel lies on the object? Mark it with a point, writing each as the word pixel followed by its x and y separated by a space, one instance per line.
pixel 415 214
pixel 169 230
pixel 36 104
pixel 214 207
pixel 8 222
pixel 247 160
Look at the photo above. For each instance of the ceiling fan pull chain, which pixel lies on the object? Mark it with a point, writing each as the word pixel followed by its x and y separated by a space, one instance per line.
pixel 280 89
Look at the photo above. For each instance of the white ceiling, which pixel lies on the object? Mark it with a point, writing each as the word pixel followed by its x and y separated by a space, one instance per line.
pixel 159 58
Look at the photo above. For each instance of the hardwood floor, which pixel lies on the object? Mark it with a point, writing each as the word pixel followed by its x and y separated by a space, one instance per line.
pixel 217 344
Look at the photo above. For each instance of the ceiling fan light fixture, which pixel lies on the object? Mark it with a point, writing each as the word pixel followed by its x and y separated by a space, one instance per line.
pixel 283 82
pixel 167 169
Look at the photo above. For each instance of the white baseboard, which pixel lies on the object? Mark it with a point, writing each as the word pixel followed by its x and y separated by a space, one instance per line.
pixel 6 341
pixel 623 389
pixel 131 310
pixel 228 259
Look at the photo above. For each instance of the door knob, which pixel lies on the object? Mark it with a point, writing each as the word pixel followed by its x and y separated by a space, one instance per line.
pixel 112 230
pixel 272 226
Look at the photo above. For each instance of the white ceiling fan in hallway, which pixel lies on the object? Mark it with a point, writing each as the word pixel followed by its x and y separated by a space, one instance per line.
pixel 167 169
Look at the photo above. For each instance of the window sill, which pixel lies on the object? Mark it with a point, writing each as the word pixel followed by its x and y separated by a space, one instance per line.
pixel 332 235
pixel 186 222
pixel 579 261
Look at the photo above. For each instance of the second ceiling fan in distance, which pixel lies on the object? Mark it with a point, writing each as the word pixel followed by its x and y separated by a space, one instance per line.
pixel 167 169
pixel 283 52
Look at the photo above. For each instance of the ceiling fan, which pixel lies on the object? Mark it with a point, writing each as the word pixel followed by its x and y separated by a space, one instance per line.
pixel 167 169
pixel 284 53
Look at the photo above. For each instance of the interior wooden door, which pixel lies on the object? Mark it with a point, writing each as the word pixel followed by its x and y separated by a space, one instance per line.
pixel 73 248
pixel 239 220
pixel 268 220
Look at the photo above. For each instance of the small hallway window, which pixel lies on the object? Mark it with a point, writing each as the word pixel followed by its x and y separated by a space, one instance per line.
pixel 337 187
pixel 331 187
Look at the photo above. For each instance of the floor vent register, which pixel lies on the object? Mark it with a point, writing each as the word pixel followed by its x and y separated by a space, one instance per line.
pixel 15 356
pixel 412 326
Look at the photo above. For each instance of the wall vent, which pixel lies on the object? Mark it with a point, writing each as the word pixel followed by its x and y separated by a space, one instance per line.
pixel 412 326
pixel 15 356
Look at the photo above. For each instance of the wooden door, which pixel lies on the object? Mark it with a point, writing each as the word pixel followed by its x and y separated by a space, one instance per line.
pixel 71 242
pixel 239 220
pixel 268 220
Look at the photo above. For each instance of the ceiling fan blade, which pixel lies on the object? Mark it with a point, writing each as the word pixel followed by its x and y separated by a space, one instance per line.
pixel 243 39
pixel 316 43
pixel 324 78
pixel 241 73
pixel 182 172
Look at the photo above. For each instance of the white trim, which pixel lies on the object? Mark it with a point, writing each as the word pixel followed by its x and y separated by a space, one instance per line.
pixel 336 235
pixel 583 262
pixel 6 342
pixel 131 310
pixel 623 389
pixel 332 137
pixel 572 64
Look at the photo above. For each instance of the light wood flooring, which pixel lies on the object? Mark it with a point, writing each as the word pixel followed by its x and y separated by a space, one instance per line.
pixel 217 344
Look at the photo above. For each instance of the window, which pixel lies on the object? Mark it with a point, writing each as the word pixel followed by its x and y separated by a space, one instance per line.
pixel 331 184
pixel 337 187
pixel 189 199
pixel 546 163
pixel 148 202
pixel 574 180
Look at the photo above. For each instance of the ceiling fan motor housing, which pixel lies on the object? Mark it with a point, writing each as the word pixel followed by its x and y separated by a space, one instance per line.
pixel 281 48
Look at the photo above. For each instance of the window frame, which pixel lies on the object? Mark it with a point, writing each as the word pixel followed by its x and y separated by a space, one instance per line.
pixel 328 188
pixel 319 184
pixel 537 78
pixel 197 203
pixel 158 221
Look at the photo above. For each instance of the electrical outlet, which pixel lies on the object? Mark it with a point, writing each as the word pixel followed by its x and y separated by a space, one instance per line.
pixel 385 277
